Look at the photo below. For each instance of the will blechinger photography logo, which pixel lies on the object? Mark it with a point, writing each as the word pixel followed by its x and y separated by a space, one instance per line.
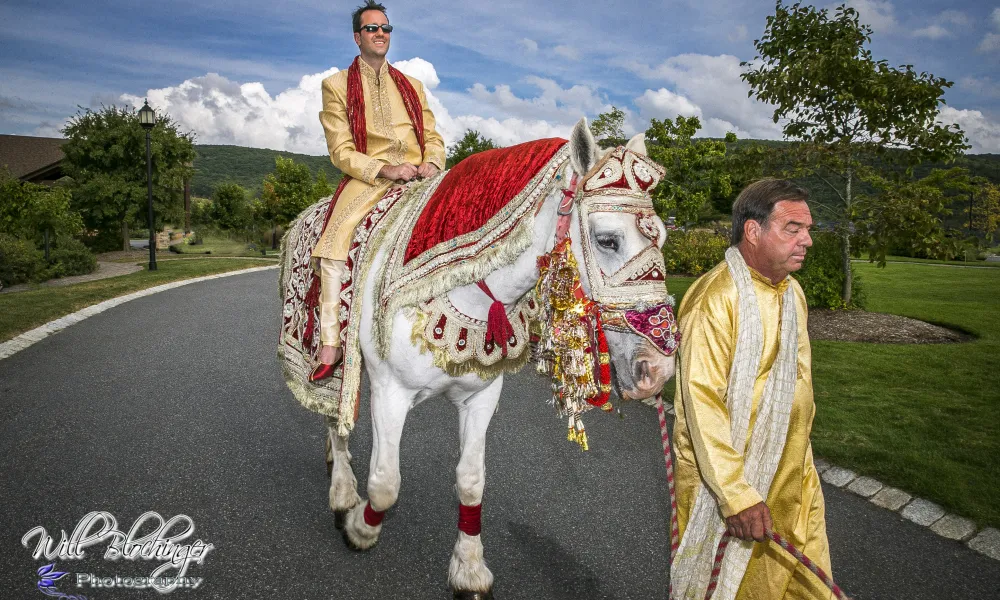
pixel 160 542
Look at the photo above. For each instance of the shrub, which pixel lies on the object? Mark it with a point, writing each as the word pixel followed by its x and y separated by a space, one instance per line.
pixel 693 252
pixel 822 276
pixel 20 261
pixel 72 257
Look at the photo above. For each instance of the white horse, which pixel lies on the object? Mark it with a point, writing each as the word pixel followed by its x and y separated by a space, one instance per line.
pixel 406 376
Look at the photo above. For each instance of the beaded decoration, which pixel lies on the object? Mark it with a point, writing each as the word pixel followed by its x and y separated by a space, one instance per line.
pixel 572 348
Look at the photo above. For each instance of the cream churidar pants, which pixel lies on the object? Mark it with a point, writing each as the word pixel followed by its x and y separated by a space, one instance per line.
pixel 331 274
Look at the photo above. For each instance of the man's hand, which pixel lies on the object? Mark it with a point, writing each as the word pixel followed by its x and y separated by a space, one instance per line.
pixel 403 172
pixel 751 524
pixel 426 170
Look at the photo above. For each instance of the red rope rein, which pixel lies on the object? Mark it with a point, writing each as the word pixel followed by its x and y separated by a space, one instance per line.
pixel 724 543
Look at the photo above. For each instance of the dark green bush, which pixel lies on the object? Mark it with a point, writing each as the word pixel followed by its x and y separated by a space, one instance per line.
pixel 73 257
pixel 822 276
pixel 20 261
pixel 693 252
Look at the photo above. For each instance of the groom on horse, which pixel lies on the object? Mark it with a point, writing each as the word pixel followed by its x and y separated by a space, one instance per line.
pixel 379 131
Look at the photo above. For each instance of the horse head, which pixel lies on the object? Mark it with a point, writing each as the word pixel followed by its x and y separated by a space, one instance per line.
pixel 617 237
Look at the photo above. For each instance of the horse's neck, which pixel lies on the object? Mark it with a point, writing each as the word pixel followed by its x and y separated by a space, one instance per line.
pixel 511 282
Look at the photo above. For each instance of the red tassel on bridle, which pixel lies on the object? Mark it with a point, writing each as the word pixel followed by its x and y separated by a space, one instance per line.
pixel 498 327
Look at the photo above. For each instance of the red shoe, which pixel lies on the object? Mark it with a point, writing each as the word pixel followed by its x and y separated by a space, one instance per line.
pixel 321 372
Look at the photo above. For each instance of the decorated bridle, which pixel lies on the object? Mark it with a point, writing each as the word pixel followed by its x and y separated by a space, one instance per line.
pixel 573 348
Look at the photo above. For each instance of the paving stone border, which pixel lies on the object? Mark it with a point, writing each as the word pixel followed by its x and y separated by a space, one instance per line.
pixel 919 511
pixel 13 346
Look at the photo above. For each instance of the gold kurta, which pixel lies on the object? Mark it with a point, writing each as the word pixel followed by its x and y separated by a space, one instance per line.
pixel 703 444
pixel 391 141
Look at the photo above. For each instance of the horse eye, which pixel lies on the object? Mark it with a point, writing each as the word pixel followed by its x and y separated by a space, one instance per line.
pixel 608 242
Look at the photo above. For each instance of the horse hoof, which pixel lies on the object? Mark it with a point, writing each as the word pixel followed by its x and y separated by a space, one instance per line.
pixel 340 518
pixel 356 548
pixel 460 595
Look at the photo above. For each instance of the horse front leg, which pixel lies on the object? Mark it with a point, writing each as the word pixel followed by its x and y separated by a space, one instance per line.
pixel 389 405
pixel 343 484
pixel 468 575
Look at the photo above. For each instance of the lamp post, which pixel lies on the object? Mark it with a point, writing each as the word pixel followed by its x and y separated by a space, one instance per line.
pixel 147 118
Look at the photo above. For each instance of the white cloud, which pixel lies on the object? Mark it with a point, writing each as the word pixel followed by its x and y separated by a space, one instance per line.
pixel 554 102
pixel 739 34
pixel 419 68
pixel 983 134
pixel 995 17
pixel 664 104
pixel 221 111
pixel 880 14
pixel 943 24
pixel 567 52
pixel 528 45
pixel 712 84
pixel 934 32
pixel 990 42
pixel 954 17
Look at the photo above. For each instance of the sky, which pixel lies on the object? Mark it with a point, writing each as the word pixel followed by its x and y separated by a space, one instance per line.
pixel 248 73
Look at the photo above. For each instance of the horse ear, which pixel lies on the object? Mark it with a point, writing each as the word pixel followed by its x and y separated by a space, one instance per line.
pixel 582 148
pixel 637 144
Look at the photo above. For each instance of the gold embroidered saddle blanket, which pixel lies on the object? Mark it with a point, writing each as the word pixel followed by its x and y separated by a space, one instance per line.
pixel 418 279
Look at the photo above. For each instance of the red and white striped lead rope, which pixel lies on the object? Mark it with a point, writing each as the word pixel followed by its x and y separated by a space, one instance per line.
pixel 721 552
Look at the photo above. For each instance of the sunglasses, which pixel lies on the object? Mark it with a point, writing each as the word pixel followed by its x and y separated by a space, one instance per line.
pixel 373 28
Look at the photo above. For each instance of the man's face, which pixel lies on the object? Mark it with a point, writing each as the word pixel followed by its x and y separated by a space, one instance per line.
pixel 373 44
pixel 783 243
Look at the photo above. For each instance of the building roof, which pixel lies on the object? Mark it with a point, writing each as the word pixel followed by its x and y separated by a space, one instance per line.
pixel 26 156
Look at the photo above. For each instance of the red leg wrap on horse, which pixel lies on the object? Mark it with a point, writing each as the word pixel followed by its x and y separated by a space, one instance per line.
pixel 470 519
pixel 373 517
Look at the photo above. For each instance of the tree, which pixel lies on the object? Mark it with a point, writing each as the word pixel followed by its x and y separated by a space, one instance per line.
pixel 986 208
pixel 471 143
pixel 230 208
pixel 287 191
pixel 321 187
pixel 28 210
pixel 696 169
pixel 106 157
pixel 816 70
pixel 908 213
pixel 609 128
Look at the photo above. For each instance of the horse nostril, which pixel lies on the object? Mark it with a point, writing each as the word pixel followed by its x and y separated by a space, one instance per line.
pixel 641 370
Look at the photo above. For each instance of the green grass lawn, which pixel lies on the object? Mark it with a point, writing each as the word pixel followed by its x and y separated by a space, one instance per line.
pixel 217 246
pixel 922 418
pixel 929 261
pixel 22 311
pixel 919 417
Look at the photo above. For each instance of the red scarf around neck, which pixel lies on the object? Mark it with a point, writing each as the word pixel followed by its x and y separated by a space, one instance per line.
pixel 359 132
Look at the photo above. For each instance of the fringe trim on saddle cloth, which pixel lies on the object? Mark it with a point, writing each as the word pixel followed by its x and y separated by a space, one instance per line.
pixel 336 397
pixel 693 562
pixel 458 342
pixel 460 261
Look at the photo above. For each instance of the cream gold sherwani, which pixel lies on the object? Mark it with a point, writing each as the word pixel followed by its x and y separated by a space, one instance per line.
pixel 702 440
pixel 391 141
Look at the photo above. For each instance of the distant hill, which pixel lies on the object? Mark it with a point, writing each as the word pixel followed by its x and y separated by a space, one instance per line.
pixel 248 166
pixel 245 166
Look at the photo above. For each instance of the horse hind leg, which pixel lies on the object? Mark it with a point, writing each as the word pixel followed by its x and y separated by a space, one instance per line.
pixel 468 575
pixel 343 484
pixel 390 404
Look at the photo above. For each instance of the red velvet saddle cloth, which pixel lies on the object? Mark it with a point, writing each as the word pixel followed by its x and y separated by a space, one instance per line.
pixel 475 190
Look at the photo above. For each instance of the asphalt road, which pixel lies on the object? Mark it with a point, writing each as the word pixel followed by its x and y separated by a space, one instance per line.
pixel 174 403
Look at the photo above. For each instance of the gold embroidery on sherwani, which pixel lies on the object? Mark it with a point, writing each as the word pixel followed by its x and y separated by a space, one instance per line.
pixel 391 141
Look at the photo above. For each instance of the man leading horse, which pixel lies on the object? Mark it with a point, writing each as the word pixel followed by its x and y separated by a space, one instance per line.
pixel 379 131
